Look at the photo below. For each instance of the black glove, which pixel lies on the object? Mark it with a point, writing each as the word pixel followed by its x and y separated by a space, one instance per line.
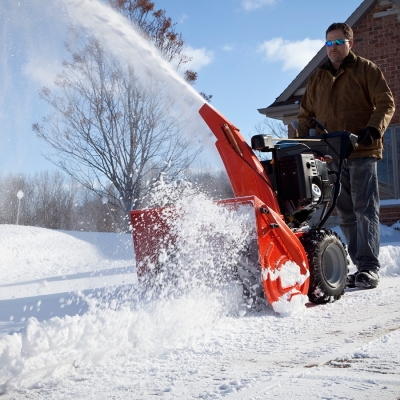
pixel 367 136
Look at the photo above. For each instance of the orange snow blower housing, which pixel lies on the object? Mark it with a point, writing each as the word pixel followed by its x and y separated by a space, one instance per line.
pixel 284 190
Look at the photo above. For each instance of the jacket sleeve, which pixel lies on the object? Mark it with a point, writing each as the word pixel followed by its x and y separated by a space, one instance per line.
pixel 306 110
pixel 381 98
pixel 303 118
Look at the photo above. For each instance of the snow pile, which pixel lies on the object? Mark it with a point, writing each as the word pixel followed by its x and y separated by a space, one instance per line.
pixel 389 253
pixel 25 252
pixel 58 346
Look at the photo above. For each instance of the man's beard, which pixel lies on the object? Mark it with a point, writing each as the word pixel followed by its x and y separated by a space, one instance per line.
pixel 336 59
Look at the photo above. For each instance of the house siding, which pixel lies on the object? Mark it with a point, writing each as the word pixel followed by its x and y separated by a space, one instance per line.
pixel 377 38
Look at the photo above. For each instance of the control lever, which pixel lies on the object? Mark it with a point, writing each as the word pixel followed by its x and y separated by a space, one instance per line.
pixel 318 124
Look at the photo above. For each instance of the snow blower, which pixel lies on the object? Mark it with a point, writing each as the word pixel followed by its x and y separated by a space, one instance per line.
pixel 293 191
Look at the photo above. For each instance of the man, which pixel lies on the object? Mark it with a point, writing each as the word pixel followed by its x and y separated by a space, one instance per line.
pixel 350 93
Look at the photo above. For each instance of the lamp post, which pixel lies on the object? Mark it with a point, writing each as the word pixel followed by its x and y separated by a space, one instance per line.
pixel 20 195
pixel 105 201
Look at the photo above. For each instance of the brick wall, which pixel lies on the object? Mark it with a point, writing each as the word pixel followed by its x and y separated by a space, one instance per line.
pixel 378 39
pixel 389 214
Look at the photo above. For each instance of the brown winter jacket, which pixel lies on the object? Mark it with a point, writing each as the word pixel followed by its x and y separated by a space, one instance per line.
pixel 351 98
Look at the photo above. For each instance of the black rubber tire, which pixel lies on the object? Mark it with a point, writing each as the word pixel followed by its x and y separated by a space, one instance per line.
pixel 329 265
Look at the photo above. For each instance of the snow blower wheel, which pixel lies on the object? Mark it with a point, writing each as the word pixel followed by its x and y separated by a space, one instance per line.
pixel 327 258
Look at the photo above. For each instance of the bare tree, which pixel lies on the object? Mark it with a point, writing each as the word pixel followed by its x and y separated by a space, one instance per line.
pixel 52 201
pixel 156 27
pixel 160 31
pixel 9 187
pixel 47 200
pixel 215 184
pixel 269 126
pixel 92 213
pixel 108 128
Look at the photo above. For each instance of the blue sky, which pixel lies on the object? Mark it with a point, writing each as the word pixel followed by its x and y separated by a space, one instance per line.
pixel 248 51
pixel 245 51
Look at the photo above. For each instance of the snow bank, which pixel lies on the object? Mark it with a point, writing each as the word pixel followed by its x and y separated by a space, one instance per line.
pixel 28 253
pixel 58 346
pixel 389 253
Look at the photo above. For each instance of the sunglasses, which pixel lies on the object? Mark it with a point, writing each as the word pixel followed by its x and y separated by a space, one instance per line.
pixel 338 42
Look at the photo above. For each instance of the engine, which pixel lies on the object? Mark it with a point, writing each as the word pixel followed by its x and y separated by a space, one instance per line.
pixel 300 178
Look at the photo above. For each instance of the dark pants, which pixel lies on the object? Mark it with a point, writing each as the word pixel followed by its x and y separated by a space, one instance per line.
pixel 358 209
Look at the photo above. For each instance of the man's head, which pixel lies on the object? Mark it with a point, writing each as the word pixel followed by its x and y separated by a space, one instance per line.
pixel 339 41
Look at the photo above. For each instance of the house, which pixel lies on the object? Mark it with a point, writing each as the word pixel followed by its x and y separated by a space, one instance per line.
pixel 376 26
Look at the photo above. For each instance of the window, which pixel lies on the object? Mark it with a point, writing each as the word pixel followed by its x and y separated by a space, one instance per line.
pixel 388 168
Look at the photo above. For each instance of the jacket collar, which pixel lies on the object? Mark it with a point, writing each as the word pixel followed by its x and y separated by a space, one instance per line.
pixel 348 62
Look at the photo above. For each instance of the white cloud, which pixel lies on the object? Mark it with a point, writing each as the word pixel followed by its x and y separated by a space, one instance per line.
pixel 183 18
pixel 250 5
pixel 200 57
pixel 294 55
pixel 42 72
pixel 228 48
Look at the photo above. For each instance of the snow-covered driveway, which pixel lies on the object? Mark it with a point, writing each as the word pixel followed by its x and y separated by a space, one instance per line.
pixel 55 344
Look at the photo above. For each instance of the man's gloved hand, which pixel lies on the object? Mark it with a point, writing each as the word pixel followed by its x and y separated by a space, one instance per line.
pixel 367 136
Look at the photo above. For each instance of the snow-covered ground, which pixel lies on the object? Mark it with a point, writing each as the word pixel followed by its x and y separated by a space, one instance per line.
pixel 75 323
pixel 72 325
